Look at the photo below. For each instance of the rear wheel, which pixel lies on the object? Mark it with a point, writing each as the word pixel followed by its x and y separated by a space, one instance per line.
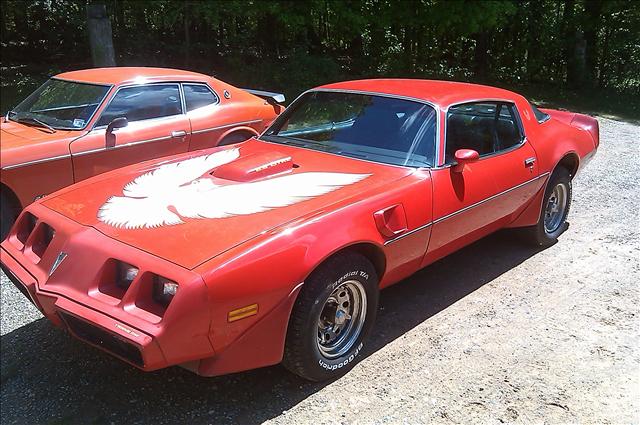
pixel 332 317
pixel 555 209
pixel 234 138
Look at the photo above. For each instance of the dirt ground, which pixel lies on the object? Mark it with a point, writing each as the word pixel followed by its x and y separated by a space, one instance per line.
pixel 497 332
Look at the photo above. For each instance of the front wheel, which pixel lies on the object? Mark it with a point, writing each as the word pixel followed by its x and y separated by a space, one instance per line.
pixel 555 209
pixel 332 317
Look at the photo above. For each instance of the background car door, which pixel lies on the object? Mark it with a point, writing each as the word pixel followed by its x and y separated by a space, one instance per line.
pixel 482 198
pixel 211 118
pixel 157 127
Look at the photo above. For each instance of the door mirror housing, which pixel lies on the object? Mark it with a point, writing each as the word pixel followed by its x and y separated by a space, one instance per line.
pixel 110 138
pixel 464 157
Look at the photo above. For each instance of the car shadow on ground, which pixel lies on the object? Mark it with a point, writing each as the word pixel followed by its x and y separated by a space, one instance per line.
pixel 48 377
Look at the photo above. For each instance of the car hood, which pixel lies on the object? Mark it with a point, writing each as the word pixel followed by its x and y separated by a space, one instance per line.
pixel 15 134
pixel 190 208
pixel 21 143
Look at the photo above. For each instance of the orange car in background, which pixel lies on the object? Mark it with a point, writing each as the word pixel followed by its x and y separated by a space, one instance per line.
pixel 82 123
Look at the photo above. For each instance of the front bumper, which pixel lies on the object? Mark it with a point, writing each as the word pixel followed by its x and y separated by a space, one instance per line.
pixel 116 337
pixel 73 295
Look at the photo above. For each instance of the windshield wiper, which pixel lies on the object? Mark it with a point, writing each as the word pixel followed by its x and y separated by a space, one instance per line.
pixel 34 120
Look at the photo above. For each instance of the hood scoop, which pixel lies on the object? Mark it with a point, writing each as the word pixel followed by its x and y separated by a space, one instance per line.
pixel 255 167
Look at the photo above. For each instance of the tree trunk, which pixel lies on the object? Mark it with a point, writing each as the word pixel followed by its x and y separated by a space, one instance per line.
pixel 100 36
pixel 187 35
pixel 593 12
pixel 480 56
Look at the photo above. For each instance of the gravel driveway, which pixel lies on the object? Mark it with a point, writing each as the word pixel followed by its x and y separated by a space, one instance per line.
pixel 497 332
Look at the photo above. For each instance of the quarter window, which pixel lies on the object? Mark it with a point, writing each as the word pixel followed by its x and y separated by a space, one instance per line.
pixel 143 103
pixel 197 96
pixel 484 127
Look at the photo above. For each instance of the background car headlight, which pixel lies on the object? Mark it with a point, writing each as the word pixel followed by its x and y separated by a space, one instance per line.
pixel 126 273
pixel 164 290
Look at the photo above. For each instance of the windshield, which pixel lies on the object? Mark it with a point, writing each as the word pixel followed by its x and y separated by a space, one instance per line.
pixel 375 128
pixel 60 104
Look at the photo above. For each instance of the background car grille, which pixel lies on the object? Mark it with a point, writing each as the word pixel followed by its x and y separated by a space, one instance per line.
pixel 103 339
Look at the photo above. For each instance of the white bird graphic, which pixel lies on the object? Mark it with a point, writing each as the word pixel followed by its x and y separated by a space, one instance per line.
pixel 147 199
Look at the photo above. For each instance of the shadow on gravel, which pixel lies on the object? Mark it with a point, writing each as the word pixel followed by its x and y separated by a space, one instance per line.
pixel 48 377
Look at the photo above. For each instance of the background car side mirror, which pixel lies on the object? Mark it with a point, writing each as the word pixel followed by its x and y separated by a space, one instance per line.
pixel 110 138
pixel 464 157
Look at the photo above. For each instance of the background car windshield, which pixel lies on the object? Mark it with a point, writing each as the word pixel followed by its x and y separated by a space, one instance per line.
pixel 375 128
pixel 61 104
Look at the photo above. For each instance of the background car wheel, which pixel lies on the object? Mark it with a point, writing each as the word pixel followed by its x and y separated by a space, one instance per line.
pixel 555 209
pixel 234 138
pixel 332 317
pixel 9 211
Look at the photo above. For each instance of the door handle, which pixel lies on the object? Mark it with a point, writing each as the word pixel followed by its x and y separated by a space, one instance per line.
pixel 529 162
pixel 178 134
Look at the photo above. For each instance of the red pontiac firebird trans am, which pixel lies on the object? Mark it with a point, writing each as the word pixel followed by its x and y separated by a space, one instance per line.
pixel 71 128
pixel 274 250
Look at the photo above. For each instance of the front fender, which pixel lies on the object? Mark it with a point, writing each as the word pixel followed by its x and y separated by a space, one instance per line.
pixel 268 269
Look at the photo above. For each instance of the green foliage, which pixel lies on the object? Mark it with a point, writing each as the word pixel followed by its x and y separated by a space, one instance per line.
pixel 290 45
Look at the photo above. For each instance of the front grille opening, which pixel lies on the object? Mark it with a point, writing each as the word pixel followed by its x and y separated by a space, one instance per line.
pixel 25 226
pixel 103 339
pixel 107 280
pixel 43 235
pixel 145 299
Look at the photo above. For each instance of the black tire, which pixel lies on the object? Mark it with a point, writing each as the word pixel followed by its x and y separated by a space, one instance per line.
pixel 539 234
pixel 9 212
pixel 234 138
pixel 303 355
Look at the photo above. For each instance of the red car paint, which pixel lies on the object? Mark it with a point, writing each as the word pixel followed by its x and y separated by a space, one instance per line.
pixel 35 162
pixel 401 218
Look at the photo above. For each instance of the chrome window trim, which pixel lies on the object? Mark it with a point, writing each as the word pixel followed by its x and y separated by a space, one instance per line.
pixel 127 86
pixel 184 98
pixel 488 100
pixel 467 208
pixel 435 107
pixel 110 87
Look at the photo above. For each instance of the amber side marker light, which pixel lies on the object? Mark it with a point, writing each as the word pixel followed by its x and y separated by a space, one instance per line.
pixel 241 313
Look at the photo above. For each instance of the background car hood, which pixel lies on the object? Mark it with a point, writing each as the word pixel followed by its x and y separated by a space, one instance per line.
pixel 15 134
pixel 195 240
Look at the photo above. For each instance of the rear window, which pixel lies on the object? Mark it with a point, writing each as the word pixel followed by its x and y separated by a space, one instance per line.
pixel 197 96
pixel 540 116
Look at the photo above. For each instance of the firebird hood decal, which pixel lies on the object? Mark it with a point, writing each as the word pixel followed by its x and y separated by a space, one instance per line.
pixel 184 190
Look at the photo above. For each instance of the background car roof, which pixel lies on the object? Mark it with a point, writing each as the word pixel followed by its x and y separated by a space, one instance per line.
pixel 120 75
pixel 442 93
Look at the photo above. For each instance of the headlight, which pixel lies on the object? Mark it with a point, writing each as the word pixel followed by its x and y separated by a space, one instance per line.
pixel 126 273
pixel 164 290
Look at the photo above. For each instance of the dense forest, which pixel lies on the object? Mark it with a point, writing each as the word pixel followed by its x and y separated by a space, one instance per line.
pixel 579 47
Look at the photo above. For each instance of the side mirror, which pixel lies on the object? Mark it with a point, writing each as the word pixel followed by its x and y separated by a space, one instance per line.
pixel 464 157
pixel 120 122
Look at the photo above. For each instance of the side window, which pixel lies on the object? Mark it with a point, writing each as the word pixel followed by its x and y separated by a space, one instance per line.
pixel 507 128
pixel 540 116
pixel 470 126
pixel 143 103
pixel 198 95
pixel 484 127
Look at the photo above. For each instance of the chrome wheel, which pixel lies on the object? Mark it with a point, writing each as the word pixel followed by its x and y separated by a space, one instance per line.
pixel 341 319
pixel 554 212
